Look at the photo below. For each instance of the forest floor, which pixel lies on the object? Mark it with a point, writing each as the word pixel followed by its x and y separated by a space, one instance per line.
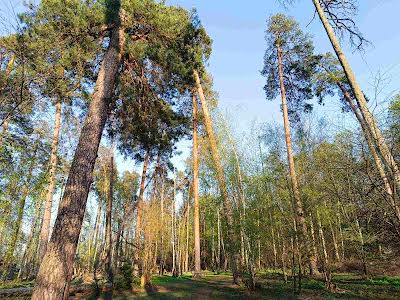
pixel 272 286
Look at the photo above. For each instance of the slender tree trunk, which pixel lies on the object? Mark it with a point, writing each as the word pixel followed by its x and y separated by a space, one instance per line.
pixel 162 230
pixel 233 241
pixel 274 246
pixel 187 234
pixel 299 257
pixel 314 247
pixel 56 269
pixel 283 259
pixel 108 260
pixel 93 241
pixel 259 243
pixel 334 241
pixel 30 250
pixel 244 241
pixel 327 270
pixel 359 95
pixel 341 233
pixel 138 227
pixel 293 263
pixel 45 230
pixel 173 240
pixel 219 242
pixel 197 254
pixel 21 209
pixel 298 205
pixel 362 250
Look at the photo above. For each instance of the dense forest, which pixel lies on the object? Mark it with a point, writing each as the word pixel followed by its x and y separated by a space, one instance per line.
pixel 96 97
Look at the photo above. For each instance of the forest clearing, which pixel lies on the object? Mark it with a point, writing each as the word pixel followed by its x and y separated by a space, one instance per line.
pixel 127 171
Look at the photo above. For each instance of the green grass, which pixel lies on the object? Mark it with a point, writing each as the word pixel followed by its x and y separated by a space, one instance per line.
pixel 15 284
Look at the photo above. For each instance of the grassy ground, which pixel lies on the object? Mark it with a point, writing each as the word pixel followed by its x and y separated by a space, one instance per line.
pixel 213 286
pixel 272 286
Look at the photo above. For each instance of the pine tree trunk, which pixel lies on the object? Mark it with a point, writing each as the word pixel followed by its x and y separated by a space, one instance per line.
pixel 56 269
pixel 197 254
pixel 298 205
pixel 139 215
pixel 233 241
pixel 45 230
pixel 108 260
pixel 359 95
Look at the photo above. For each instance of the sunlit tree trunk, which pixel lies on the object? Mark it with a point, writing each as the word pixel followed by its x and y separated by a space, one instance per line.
pixel 45 230
pixel 93 240
pixel 293 263
pixel 187 233
pixel 196 216
pixel 298 204
pixel 359 95
pixel 219 242
pixel 362 248
pixel 233 239
pixel 327 270
pixel 162 230
pixel 314 247
pixel 339 220
pixel 173 239
pixel 283 260
pixel 56 268
pixel 30 251
pixel 136 267
pixel 108 260
pixel 21 208
pixel 274 244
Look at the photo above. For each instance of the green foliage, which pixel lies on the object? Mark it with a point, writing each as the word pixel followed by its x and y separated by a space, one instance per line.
pixel 298 64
